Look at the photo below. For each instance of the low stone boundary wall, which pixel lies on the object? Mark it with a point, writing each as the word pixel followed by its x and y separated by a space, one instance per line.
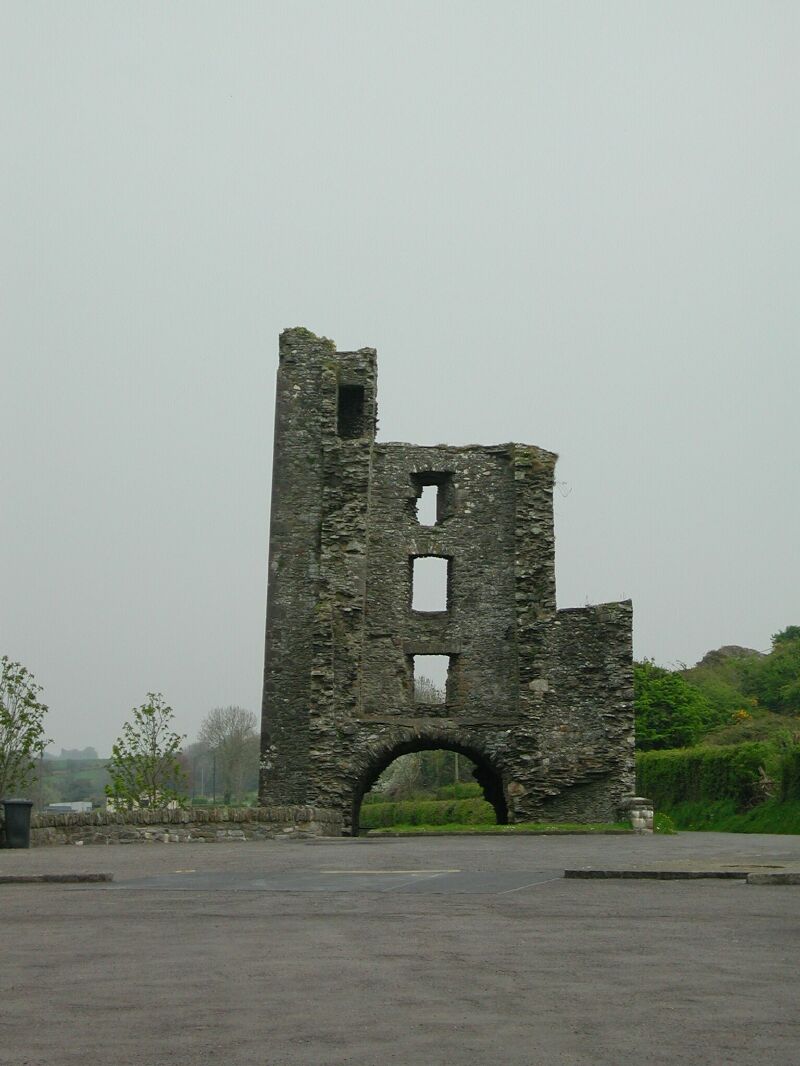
pixel 198 824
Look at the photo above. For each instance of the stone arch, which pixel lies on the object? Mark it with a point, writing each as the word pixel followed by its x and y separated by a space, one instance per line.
pixel 541 698
pixel 488 771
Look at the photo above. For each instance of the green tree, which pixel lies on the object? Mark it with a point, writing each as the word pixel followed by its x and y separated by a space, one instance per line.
pixel 789 635
pixel 22 739
pixel 670 713
pixel 144 766
pixel 775 679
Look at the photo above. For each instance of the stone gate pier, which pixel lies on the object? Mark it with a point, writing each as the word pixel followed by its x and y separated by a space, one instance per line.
pixel 540 699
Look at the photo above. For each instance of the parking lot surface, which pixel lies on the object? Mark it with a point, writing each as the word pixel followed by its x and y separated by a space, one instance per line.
pixel 422 950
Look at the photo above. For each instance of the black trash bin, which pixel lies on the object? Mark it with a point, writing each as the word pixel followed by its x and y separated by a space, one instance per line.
pixel 18 823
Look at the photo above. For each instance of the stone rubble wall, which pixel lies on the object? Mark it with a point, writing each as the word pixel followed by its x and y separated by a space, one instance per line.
pixel 575 744
pixel 198 825
pixel 540 699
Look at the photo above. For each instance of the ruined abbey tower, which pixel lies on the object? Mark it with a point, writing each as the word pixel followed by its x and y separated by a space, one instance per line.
pixel 540 699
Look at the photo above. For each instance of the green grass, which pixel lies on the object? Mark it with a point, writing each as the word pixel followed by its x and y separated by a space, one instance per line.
pixel 722 817
pixel 555 828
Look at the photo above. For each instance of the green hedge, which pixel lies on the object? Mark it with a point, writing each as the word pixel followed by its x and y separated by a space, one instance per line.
pixel 790 776
pixel 461 790
pixel 703 774
pixel 723 817
pixel 427 812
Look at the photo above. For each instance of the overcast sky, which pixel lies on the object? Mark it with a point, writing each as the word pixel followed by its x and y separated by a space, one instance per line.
pixel 568 224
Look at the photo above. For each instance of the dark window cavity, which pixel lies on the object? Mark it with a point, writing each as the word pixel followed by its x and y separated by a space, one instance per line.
pixel 350 414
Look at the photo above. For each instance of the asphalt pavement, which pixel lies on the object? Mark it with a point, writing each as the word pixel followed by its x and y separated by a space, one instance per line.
pixel 435 951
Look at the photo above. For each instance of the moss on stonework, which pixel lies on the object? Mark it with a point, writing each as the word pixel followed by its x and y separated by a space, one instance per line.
pixel 528 456
pixel 301 335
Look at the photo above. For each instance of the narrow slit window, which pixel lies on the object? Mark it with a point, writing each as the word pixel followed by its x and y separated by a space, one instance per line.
pixel 435 496
pixel 430 678
pixel 428 506
pixel 430 579
pixel 350 412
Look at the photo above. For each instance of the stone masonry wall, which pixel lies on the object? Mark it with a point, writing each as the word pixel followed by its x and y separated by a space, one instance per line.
pixel 206 824
pixel 540 699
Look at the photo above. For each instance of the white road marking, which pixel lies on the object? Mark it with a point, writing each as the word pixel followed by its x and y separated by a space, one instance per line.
pixel 384 872
pixel 519 888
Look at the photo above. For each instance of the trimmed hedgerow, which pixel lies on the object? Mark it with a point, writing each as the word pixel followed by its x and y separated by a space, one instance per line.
pixel 427 812
pixel 790 776
pixel 460 790
pixel 704 774
pixel 722 817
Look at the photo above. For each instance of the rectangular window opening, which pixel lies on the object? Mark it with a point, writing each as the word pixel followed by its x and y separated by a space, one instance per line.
pixel 430 583
pixel 350 412
pixel 430 678
pixel 428 506
pixel 435 496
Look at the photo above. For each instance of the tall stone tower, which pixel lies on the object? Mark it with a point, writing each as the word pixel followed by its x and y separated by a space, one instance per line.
pixel 541 700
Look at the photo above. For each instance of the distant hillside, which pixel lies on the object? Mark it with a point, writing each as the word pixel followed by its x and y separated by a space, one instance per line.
pixel 728 651
pixel 65 780
pixel 74 754
pixel 720 676
pixel 753 696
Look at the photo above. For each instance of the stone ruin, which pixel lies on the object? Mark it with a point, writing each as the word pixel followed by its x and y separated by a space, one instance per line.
pixel 540 699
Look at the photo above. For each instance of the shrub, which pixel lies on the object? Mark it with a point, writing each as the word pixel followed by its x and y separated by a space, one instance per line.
pixel 460 790
pixel 703 774
pixel 790 776
pixel 427 812
pixel 774 679
pixel 670 712
pixel 144 767
pixel 22 738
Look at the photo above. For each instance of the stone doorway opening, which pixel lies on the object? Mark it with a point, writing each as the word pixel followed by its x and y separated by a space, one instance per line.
pixel 432 768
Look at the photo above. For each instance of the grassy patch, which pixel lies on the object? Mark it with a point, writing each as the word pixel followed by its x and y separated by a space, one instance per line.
pixel 556 828
pixel 722 817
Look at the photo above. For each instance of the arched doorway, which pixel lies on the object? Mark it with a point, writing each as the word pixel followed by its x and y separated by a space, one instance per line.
pixel 482 770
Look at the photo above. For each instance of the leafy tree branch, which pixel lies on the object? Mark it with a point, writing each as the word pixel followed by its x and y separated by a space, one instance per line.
pixel 22 738
pixel 144 766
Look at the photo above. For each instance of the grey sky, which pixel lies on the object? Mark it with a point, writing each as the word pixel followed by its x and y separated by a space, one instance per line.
pixel 569 224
